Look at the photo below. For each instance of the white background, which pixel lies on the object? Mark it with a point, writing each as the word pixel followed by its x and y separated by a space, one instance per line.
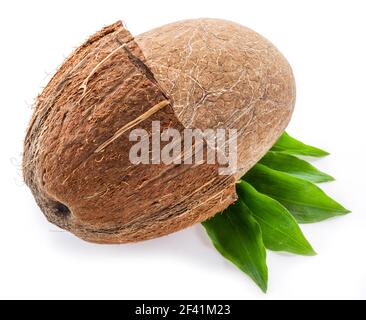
pixel 325 42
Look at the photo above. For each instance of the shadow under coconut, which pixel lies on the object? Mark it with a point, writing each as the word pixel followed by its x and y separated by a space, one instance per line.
pixel 190 244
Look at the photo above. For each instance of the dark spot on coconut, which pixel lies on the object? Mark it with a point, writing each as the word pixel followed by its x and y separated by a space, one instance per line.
pixel 61 210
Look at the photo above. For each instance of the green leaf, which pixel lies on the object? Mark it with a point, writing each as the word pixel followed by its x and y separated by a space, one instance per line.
pixel 238 237
pixel 304 200
pixel 290 145
pixel 294 166
pixel 279 228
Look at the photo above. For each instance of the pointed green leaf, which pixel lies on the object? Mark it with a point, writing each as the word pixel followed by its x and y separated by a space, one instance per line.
pixel 279 228
pixel 294 166
pixel 289 145
pixel 237 236
pixel 304 200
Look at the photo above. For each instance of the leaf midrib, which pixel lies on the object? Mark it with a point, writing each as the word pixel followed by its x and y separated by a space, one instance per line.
pixel 281 232
pixel 249 254
pixel 308 205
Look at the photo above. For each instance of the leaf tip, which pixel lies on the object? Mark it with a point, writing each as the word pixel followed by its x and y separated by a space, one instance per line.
pixel 311 253
pixel 343 211
pixel 323 153
pixel 263 286
pixel 324 179
pixel 307 251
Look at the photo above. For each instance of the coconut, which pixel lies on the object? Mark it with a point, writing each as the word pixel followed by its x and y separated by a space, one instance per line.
pixel 197 74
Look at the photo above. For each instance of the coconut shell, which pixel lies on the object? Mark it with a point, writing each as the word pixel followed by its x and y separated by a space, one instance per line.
pixel 192 74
